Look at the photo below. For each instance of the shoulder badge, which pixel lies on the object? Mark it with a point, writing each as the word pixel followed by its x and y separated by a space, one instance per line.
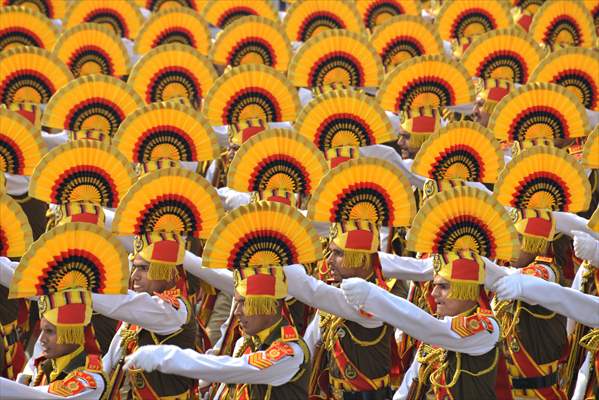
pixel 93 362
pixel 170 296
pixel 471 325
pixel 73 384
pixel 289 334
pixel 540 271
pixel 268 357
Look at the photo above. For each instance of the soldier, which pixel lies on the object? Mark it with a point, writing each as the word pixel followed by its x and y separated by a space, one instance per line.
pixel 270 361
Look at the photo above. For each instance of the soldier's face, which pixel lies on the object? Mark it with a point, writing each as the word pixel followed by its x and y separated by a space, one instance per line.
pixel 251 324
pixel 447 307
pixel 140 281
pixel 48 339
pixel 335 263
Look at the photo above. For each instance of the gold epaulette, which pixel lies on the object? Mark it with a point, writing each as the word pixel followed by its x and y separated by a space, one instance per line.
pixel 289 334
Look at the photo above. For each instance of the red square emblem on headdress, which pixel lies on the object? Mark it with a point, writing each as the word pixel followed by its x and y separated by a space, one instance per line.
pixel 261 285
pixel 359 240
pixel 423 124
pixel 166 250
pixel 71 314
pixel 536 226
pixel 497 93
pixel 464 269
pixel 85 217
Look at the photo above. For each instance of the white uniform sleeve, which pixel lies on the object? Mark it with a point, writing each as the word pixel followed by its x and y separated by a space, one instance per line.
pixel 226 369
pixel 312 335
pixel 318 294
pixel 149 312
pixel 406 383
pixel 387 153
pixel 420 325
pixel 566 222
pixel 576 305
pixel 406 268
pixel 7 271
pixel 220 278
pixel 112 356
pixel 15 391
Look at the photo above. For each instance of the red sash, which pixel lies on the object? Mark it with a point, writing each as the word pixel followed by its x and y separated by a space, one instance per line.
pixel 357 380
pixel 529 368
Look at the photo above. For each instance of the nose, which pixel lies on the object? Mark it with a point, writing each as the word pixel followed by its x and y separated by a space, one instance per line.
pixel 435 292
pixel 237 311
pixel 135 274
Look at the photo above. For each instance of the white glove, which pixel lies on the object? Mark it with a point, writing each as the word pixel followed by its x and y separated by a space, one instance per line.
pixel 509 287
pixel 586 247
pixel 355 291
pixel 148 357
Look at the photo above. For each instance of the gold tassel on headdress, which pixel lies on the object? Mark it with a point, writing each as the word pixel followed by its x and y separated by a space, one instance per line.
pixel 355 259
pixel 70 335
pixel 260 306
pixel 161 272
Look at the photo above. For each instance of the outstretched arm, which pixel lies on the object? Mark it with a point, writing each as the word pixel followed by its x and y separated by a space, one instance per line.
pixel 261 367
pixel 416 322
pixel 573 304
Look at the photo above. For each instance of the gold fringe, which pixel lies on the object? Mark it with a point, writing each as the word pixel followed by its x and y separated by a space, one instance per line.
pixel 70 335
pixel 464 291
pixel 489 106
pixel 534 245
pixel 260 306
pixel 356 259
pixel 418 139
pixel 161 272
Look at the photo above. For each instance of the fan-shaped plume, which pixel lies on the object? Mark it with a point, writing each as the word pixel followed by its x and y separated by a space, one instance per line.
pixel 544 177
pixel 406 36
pixel 460 150
pixel 157 6
pixel 252 40
pixel 344 118
pixel 464 218
pixel 590 152
pixel 91 102
pixel 53 9
pixel 174 25
pixel 21 26
pixel 336 56
pixel 538 110
pixel 426 81
pixel 31 74
pixel 90 48
pixel 251 92
pixel 277 159
pixel 594 221
pixel 82 170
pixel 377 12
pixel 563 23
pixel 366 189
pixel 305 18
pixel 121 16
pixel 506 54
pixel 21 146
pixel 171 71
pixel 222 13
pixel 466 19
pixel 74 255
pixel 574 68
pixel 166 130
pixel 169 200
pixel 262 234
pixel 15 232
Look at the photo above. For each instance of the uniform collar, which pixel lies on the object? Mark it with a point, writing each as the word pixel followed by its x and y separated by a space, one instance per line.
pixel 60 363
pixel 264 334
